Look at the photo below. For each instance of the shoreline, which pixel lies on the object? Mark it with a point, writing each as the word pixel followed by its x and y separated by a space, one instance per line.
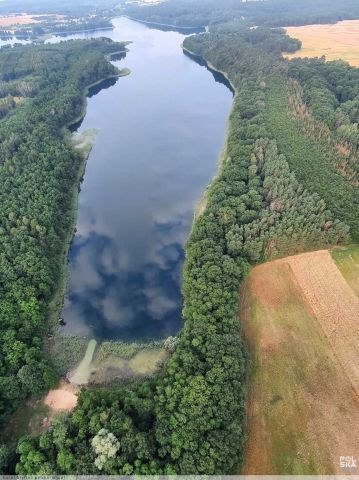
pixel 146 22
pixel 211 67
pixel 57 301
pixel 121 73
pixel 201 204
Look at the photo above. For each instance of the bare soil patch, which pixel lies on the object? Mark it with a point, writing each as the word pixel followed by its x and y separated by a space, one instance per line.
pixel 303 412
pixel 63 398
pixel 335 41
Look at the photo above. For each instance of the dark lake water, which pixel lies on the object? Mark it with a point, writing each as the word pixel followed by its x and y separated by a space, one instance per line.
pixel 160 132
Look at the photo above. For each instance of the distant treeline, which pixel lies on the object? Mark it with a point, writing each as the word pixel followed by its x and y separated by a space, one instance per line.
pixel 64 7
pixel 58 27
pixel 189 419
pixel 264 13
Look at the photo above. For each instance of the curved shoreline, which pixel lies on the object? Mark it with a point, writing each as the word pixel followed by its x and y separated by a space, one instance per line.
pixel 212 68
pixel 202 202
pixel 122 73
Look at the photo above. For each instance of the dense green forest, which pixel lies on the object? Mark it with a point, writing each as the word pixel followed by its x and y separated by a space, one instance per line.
pixel 265 13
pixel 38 178
pixel 190 417
pixel 331 91
pixel 314 157
pixel 279 190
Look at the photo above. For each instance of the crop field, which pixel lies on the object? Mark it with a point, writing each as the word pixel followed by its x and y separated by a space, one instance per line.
pixel 24 19
pixel 335 41
pixel 300 319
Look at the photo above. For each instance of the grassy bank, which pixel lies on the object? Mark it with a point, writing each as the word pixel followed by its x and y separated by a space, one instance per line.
pixel 82 373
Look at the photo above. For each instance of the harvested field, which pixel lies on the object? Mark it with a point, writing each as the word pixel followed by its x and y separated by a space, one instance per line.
pixel 334 304
pixel 335 41
pixel 24 19
pixel 300 320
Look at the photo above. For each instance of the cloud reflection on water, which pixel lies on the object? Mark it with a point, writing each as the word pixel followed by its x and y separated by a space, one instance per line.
pixel 160 131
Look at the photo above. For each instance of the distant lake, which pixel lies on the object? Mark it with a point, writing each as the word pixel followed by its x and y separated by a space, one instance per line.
pixel 160 133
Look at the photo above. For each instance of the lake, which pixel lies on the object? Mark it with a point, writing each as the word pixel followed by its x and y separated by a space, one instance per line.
pixel 160 131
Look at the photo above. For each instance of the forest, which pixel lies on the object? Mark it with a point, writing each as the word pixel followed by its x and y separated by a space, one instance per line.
pixel 273 13
pixel 189 418
pixel 38 176
pixel 269 199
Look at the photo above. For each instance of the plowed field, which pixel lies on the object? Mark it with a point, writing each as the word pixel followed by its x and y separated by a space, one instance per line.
pixel 300 318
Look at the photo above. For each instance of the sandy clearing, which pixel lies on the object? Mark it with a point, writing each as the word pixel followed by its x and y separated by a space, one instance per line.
pixel 335 41
pixel 334 304
pixel 63 398
pixel 302 409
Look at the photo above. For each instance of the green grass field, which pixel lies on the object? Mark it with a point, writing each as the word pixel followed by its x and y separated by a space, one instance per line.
pixel 347 260
pixel 111 367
